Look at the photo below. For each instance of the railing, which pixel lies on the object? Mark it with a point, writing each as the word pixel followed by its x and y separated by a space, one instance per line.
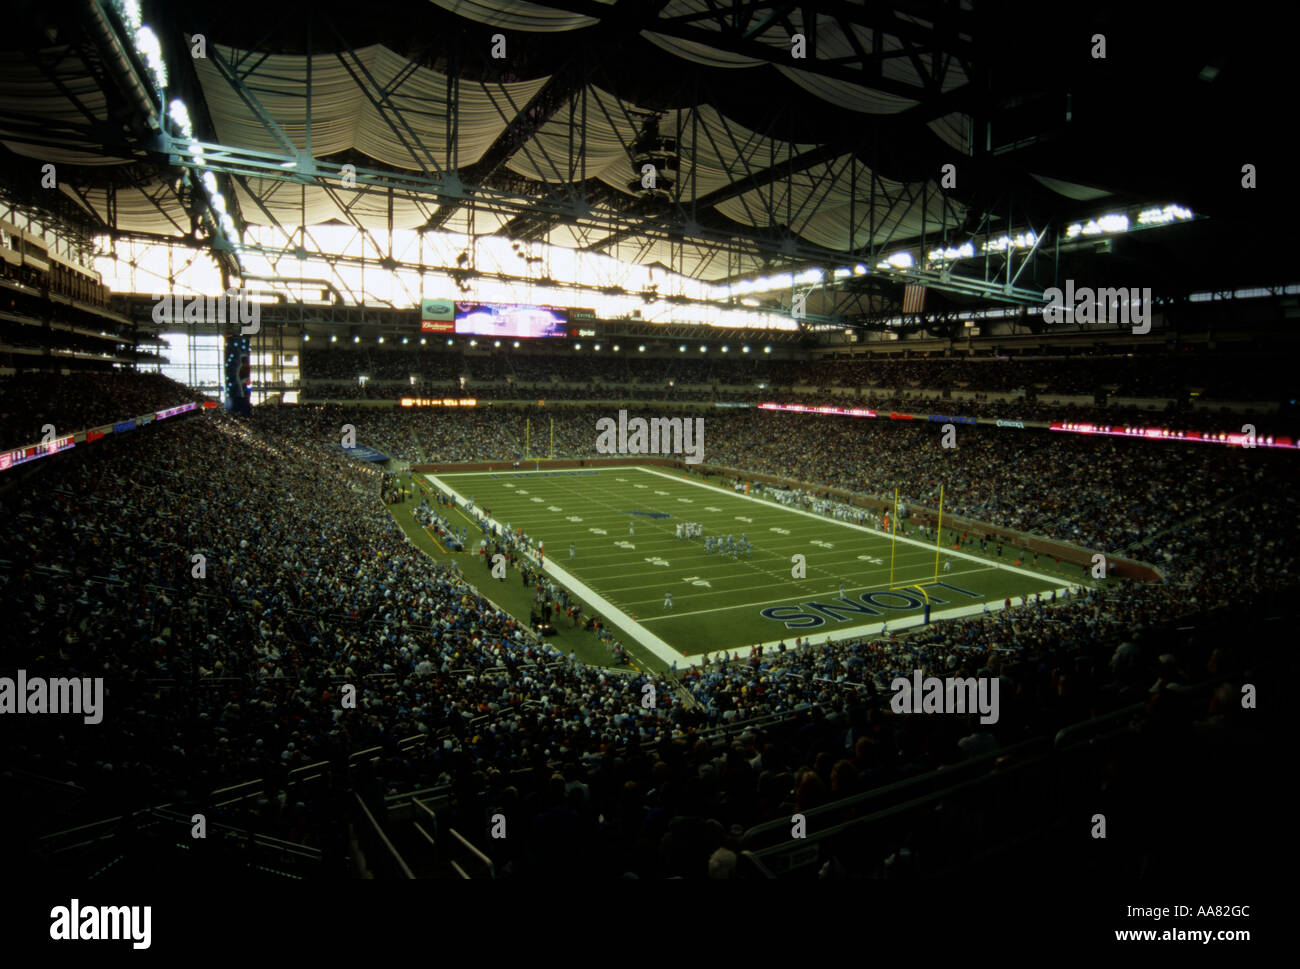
pixel 1009 796
pixel 382 854
pixel 476 863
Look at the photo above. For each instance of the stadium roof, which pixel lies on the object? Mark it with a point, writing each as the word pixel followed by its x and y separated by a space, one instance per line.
pixel 533 120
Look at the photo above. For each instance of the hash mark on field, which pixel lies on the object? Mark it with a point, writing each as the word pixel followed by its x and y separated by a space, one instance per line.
pixel 742 518
pixel 554 508
pixel 711 508
pixel 573 518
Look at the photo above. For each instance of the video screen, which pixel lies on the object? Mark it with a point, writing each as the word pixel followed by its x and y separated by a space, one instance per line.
pixel 511 319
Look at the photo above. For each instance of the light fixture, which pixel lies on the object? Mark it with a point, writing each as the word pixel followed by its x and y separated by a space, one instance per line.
pixel 597 347
pixel 767 349
pixel 423 341
pixel 516 344
pixel 305 337
pixel 703 348
pixel 334 338
pixel 381 339
pixel 641 348
pixel 406 340
pixel 725 348
pixel 744 349
pixel 473 343
pixel 616 348
pixel 356 339
pixel 449 341
pixel 496 343
pixel 682 348
pixel 577 346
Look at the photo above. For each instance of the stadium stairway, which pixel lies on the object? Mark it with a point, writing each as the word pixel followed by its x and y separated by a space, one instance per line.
pixel 411 843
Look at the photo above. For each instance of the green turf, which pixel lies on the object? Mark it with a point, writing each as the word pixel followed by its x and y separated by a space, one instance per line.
pixel 718 601
pixel 510 594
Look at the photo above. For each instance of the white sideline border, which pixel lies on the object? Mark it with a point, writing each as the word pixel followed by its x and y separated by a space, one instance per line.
pixel 631 628
pixel 643 637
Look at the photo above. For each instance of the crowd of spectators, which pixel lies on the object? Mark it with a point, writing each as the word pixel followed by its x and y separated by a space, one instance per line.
pixel 1189 391
pixel 1240 375
pixel 74 402
pixel 1100 492
pixel 233 668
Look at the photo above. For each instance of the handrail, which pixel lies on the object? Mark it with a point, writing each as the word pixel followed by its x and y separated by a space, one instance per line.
pixel 1067 733
pixel 402 865
pixel 935 778
pixel 478 855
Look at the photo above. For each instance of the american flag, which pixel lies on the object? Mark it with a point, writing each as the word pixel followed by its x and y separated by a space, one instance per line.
pixel 913 299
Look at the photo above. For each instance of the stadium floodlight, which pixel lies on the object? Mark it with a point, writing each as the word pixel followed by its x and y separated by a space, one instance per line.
pixel 577 346
pixel 516 344
pixel 1162 215
pixel 356 339
pixel 334 338
pixel 641 348
pixel 682 348
pixel 616 348
pixel 767 349
pixel 725 348
pixel 423 341
pixel 406 339
pixel 496 343
pixel 860 269
pixel 381 339
pixel 473 343
pixel 305 336
pixel 744 349
pixel 449 341
pixel 703 348
pixel 1102 225
pixel 596 347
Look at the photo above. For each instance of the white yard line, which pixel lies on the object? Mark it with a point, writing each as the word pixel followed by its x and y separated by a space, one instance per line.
pixel 643 637
pixel 634 630
pixel 861 528
pixel 777 602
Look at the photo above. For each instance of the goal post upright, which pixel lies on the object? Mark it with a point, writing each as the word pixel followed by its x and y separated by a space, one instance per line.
pixel 938 533
pixel 893 538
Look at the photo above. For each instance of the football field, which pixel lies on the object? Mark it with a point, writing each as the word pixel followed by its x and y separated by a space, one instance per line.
pixel 626 560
